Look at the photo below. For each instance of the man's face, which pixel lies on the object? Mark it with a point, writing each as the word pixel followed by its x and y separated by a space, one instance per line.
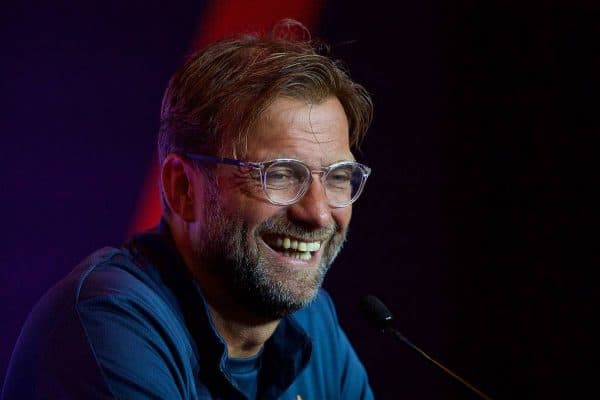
pixel 244 235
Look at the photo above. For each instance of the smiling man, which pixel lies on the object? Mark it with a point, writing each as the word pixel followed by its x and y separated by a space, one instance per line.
pixel 273 254
pixel 223 299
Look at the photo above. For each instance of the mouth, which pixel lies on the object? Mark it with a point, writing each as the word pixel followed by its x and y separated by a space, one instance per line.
pixel 293 247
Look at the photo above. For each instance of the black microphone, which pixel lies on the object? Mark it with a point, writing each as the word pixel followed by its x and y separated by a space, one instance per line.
pixel 378 314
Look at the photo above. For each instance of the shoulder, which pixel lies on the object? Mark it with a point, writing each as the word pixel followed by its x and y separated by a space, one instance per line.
pixel 122 329
pixel 107 291
pixel 74 317
pixel 107 273
pixel 108 282
pixel 112 288
pixel 110 273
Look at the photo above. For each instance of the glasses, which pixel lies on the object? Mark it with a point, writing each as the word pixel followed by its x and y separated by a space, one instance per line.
pixel 285 180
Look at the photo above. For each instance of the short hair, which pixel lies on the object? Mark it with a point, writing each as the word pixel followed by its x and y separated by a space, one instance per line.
pixel 212 103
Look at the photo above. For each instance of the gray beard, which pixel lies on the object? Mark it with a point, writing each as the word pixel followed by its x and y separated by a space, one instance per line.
pixel 268 291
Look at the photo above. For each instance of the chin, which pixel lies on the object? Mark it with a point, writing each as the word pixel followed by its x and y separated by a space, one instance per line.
pixel 275 296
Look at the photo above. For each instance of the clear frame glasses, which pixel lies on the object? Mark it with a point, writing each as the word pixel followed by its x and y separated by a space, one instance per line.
pixel 285 180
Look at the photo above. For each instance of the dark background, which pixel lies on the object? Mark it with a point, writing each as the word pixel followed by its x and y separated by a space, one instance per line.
pixel 476 227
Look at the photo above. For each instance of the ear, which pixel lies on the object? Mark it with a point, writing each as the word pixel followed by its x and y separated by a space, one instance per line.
pixel 177 179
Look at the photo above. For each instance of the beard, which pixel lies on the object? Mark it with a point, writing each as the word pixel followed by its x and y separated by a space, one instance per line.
pixel 229 250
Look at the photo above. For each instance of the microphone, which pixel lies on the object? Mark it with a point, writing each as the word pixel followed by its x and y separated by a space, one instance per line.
pixel 380 316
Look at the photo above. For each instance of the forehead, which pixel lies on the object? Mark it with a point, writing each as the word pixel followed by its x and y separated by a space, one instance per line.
pixel 316 133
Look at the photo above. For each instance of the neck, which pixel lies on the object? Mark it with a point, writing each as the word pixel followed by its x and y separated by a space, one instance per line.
pixel 244 337
pixel 244 333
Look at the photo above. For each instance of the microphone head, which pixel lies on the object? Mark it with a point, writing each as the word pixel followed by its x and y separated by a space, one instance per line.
pixel 375 311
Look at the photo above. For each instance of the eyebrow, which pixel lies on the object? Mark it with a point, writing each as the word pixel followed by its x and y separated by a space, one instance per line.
pixel 276 156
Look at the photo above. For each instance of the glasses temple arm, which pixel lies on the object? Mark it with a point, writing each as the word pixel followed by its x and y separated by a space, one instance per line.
pixel 221 160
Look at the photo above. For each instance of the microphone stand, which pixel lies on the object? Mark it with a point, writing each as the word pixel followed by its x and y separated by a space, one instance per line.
pixel 399 336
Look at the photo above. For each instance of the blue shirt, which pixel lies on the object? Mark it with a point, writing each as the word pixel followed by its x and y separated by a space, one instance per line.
pixel 244 372
pixel 131 323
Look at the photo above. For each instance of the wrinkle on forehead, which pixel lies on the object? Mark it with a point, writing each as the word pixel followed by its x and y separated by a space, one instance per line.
pixel 310 123
pixel 311 131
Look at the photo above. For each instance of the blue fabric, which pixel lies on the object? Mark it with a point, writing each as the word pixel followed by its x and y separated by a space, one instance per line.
pixel 244 372
pixel 131 323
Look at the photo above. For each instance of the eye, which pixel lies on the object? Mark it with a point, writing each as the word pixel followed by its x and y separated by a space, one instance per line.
pixel 280 174
pixel 281 177
pixel 340 177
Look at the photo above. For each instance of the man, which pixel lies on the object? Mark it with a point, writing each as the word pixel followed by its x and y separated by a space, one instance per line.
pixel 223 299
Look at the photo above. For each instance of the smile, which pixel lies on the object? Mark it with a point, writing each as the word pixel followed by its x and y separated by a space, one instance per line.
pixel 293 248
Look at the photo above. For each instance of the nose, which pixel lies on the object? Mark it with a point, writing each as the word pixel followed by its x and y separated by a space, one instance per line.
pixel 312 210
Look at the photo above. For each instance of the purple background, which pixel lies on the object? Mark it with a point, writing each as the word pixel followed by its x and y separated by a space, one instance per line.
pixel 473 227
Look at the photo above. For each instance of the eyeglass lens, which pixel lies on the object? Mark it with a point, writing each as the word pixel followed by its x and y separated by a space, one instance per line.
pixel 286 181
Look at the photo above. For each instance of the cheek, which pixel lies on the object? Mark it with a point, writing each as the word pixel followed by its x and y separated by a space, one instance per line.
pixel 251 211
pixel 245 199
pixel 257 213
pixel 342 216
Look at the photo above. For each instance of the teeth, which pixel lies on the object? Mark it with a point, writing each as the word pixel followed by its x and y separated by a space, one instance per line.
pixel 298 255
pixel 314 246
pixel 301 247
